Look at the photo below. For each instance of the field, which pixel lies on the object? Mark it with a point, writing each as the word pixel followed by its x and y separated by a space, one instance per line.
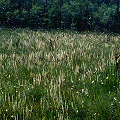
pixel 58 75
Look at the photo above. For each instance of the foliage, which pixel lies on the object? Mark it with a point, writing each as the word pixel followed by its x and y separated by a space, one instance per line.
pixel 53 14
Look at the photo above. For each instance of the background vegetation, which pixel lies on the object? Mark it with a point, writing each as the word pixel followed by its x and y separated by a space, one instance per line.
pixel 64 14
pixel 58 75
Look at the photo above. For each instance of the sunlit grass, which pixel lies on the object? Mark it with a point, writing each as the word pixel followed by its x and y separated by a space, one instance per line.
pixel 58 75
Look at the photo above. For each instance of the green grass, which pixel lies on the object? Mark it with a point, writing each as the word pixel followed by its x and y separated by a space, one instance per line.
pixel 58 75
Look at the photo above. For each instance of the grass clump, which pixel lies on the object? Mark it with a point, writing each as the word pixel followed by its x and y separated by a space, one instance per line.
pixel 58 75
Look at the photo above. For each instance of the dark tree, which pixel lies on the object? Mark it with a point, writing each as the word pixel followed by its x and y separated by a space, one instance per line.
pixel 65 14
pixel 118 6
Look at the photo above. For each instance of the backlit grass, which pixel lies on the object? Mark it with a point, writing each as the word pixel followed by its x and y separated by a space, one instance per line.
pixel 61 75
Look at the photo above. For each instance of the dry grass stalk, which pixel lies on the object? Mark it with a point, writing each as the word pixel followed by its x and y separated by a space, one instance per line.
pixel 117 60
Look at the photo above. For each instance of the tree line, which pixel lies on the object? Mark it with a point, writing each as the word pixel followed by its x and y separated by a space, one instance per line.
pixel 63 14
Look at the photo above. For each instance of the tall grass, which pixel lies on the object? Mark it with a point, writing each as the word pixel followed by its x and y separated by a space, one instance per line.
pixel 61 75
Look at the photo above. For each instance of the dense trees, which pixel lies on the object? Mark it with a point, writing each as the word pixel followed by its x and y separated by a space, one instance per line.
pixel 67 14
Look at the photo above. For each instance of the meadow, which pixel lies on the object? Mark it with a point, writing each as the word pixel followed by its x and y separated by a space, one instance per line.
pixel 58 75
